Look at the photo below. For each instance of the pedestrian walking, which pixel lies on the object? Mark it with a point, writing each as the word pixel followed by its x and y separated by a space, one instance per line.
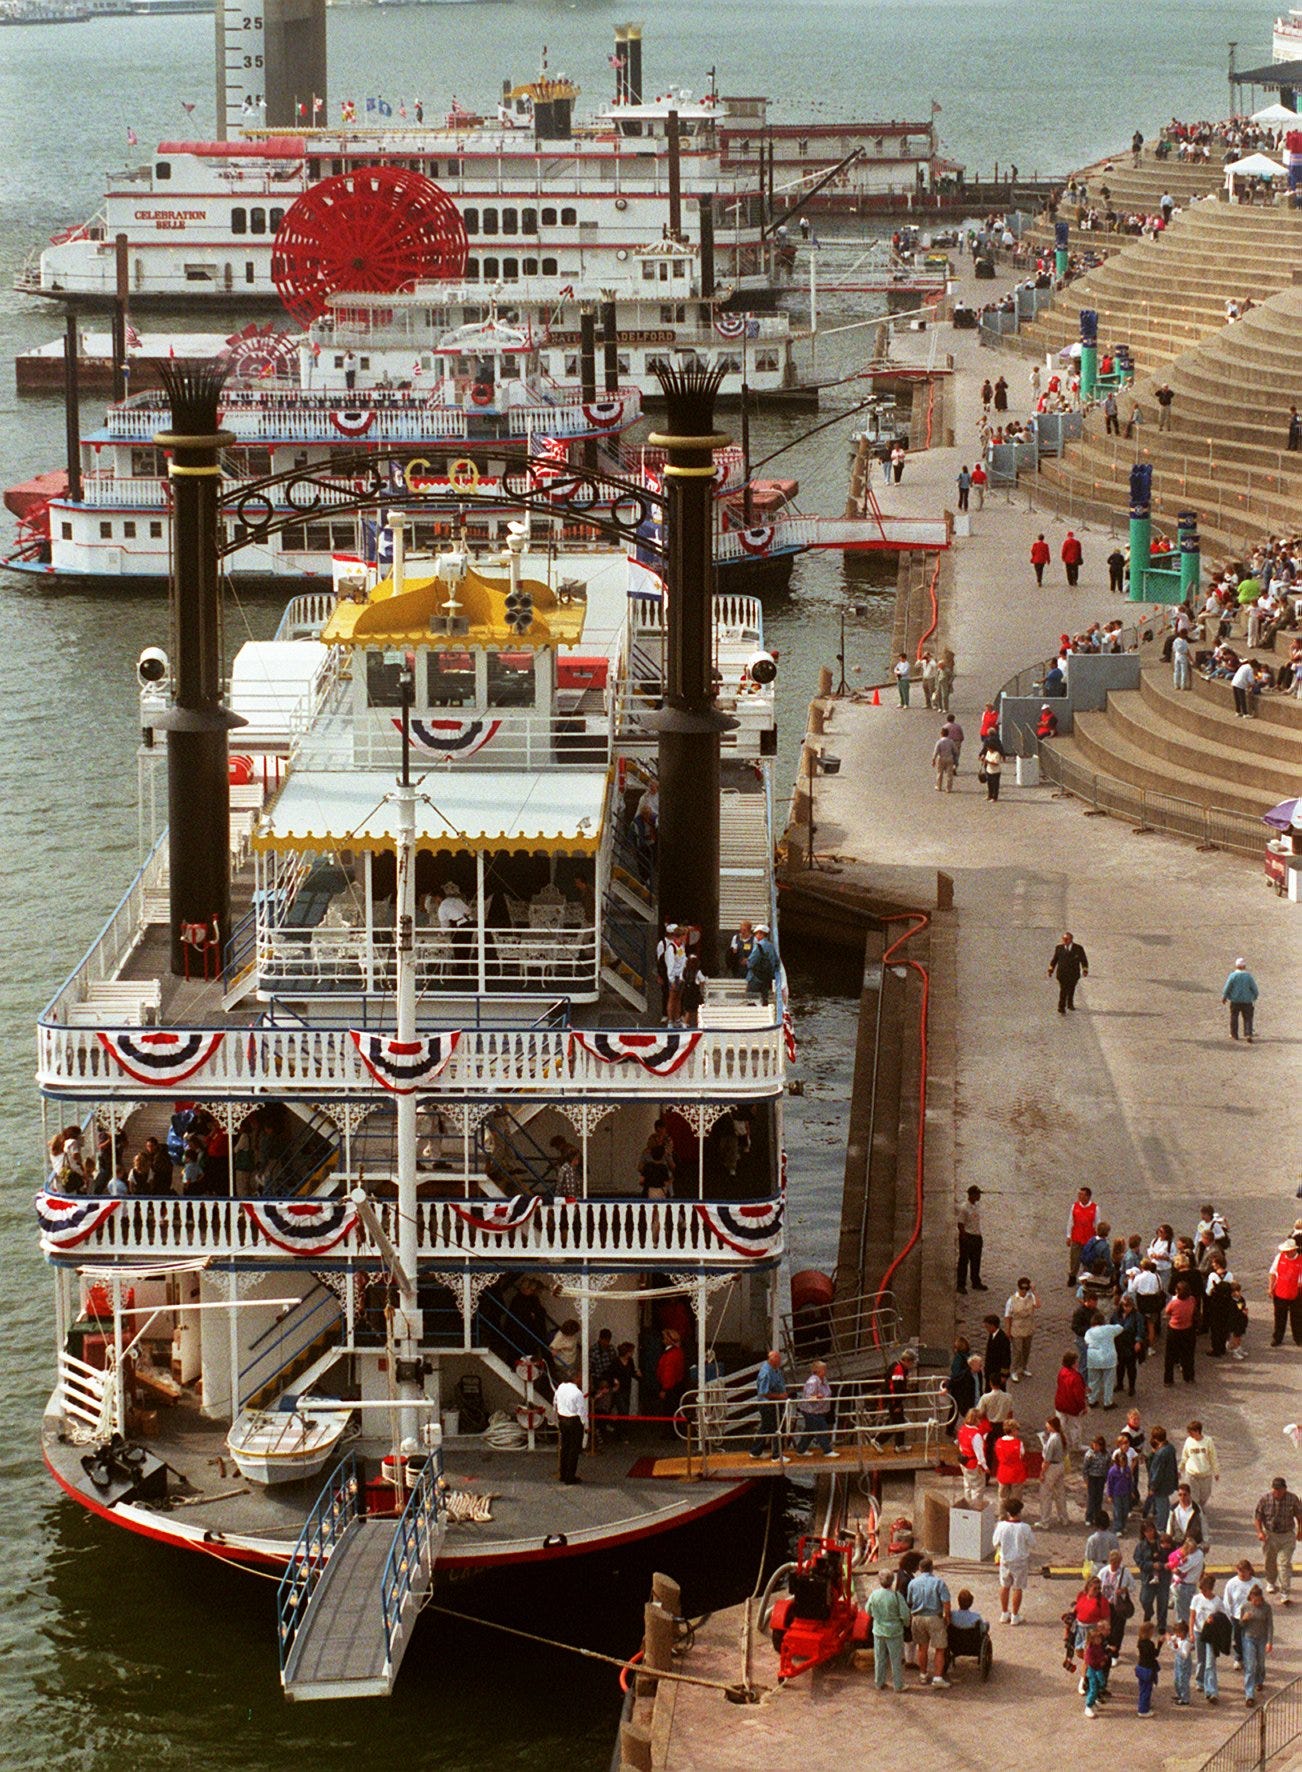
pixel 964 487
pixel 971 1242
pixel 1163 1476
pixel 1081 1223
pixel 929 675
pixel 944 761
pixel 771 1396
pixel 1101 1360
pixel 1098 1662
pixel 1019 1325
pixel 1094 1468
pixel 1071 963
pixel 992 762
pixel 980 480
pixel 1243 685
pixel 1014 1543
pixel 1210 1628
pixel 1164 395
pixel 987 394
pixel 1073 556
pixel 1070 1401
pixel 1181 1314
pixel 1294 429
pixel 1181 664
pixel 1111 421
pixel 953 731
pixel 1256 1622
pixel 929 1607
pixel 815 1407
pixel 901 672
pixel 1241 993
pixel 1039 558
pixel 1152 1559
pixel 897 463
pixel 1001 395
pixel 1010 1463
pixel 1182 1653
pixel 1285 1285
pixel 972 1461
pixel 945 682
pixel 1116 572
pixel 571 1423
pixel 1278 1520
pixel 890 1615
pixel 1053 1474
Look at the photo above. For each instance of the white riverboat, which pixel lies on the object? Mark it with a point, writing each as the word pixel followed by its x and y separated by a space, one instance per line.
pixel 1286 39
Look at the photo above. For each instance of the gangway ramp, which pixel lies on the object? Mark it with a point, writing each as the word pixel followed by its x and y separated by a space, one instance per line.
pixel 354 1588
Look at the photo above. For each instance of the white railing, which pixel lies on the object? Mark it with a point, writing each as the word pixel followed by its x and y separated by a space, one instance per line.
pixel 563 960
pixel 306 614
pixel 86 1395
pixel 524 741
pixel 103 959
pixel 615 1232
pixel 101 489
pixel 286 1063
pixel 734 617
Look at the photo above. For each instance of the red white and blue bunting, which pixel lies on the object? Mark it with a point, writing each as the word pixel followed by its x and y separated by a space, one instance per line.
pixel 160 1059
pixel 660 1053
pixel 453 738
pixel 303 1227
pixel 757 540
pixel 603 415
pixel 730 325
pixel 404 1066
pixel 352 422
pixel 67 1221
pixel 498 1216
pixel 753 1231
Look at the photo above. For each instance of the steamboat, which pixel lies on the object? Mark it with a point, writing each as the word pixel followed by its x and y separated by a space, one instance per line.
pixel 367 1125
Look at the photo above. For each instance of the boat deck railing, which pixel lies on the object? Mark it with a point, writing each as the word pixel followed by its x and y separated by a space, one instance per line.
pixel 340 1504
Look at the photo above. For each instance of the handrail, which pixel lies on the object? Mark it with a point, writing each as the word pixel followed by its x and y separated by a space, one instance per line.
pixel 845 1330
pixel 340 1504
pixel 417 1530
pixel 1255 1743
pixel 717 1420
pixel 323 1303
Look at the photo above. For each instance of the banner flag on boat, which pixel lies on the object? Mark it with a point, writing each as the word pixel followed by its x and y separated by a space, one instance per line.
pixel 661 1053
pixel 404 1066
pixel 789 1035
pixel 750 1230
pixel 66 1221
pixel 453 738
pixel 159 1058
pixel 303 1227
pixel 498 1216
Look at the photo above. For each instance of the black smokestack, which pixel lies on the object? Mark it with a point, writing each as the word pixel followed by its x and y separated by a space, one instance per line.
pixel 707 245
pixel 610 346
pixel 675 177
pixel 633 78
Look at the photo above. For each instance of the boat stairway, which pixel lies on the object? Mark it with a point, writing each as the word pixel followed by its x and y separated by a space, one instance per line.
pixel 354 1587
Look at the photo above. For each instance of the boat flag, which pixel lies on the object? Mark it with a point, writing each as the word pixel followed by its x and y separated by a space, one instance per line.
pixel 789 1036
pixel 187 105
pixel 348 111
pixel 381 105
pixel 404 1066
pixel 134 341
pixel 318 105
pixel 133 140
pixel 753 1231
pixel 498 1216
pixel 453 738
pixel 660 1053
pixel 66 1220
pixel 303 1227
pixel 160 1058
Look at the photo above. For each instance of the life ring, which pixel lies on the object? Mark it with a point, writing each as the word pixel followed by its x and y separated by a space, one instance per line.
pixel 531 1417
pixel 239 770
pixel 463 475
pixel 529 1369
pixel 481 394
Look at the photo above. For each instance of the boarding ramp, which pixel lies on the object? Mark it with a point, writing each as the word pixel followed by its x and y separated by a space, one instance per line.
pixel 354 1587
pixel 858 1337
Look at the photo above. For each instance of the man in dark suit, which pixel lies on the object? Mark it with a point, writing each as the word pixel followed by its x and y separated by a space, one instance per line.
pixel 1071 965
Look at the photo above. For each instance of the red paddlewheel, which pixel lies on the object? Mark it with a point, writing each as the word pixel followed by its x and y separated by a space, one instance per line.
pixel 261 351
pixel 376 232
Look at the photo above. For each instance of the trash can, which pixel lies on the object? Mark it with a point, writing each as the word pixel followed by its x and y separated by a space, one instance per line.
pixel 1028 772
pixel 971 1533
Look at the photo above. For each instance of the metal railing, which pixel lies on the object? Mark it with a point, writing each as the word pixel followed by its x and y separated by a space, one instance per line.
pixel 1211 827
pixel 851 1331
pixel 1275 1726
pixel 340 1505
pixel 295 1334
pixel 493 959
pixel 520 739
pixel 720 1420
pixel 103 959
pixel 1028 680
pixel 411 1556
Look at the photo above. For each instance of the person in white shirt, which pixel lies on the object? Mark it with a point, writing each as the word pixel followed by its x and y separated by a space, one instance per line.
pixel 1204 1605
pixel 1053 1473
pixel 571 1421
pixel 1015 1542
pixel 1019 1326
pixel 1241 683
pixel 1235 1596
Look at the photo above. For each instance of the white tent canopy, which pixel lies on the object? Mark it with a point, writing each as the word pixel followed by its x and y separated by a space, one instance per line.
pixel 1277 113
pixel 1255 166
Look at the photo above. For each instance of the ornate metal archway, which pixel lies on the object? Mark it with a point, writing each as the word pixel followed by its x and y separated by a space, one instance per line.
pixel 409 479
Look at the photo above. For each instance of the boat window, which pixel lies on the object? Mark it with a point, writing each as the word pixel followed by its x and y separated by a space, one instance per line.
pixel 197 273
pixel 766 360
pixel 549 267
pixel 472 270
pixel 489 221
pixel 276 217
pixel 449 680
pixel 257 221
pixel 146 463
pixel 163 169
pixel 318 538
pixel 511 269
pixel 129 531
pixel 239 220
pixel 471 218
pixel 490 270
pixel 155 530
pixel 680 267
pixel 106 532
pixel 528 221
pixel 510 221
pixel 549 218
pixel 293 539
pixel 65 529
pixel 383 678
pixel 571 363
pixel 433 168
pixel 250 274
pixel 510 680
pixel 258 461
pixel 569 218
pixel 529 266
pixel 648 271
pixel 624 362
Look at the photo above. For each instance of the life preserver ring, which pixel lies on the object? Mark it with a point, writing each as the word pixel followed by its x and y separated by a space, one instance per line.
pixel 463 475
pixel 481 394
pixel 531 1417
pixel 239 770
pixel 756 541
pixel 529 1370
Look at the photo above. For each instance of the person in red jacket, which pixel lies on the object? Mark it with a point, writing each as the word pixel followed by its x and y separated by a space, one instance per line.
pixel 1070 1402
pixel 1039 557
pixel 1072 555
pixel 897 1385
pixel 1010 1463
pixel 972 1456
pixel 1286 1292
pixel 989 720
pixel 1080 1229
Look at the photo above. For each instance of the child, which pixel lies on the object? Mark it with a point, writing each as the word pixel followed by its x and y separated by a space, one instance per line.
pixel 1118 1488
pixel 1182 1651
pixel 1097 1663
pixel 1238 1320
pixel 1095 1469
pixel 1146 1669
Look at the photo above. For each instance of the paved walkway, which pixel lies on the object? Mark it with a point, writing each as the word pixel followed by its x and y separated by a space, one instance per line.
pixel 1140 1093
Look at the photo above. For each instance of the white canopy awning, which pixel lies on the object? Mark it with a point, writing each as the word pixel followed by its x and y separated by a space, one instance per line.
pixel 1277 114
pixel 1255 166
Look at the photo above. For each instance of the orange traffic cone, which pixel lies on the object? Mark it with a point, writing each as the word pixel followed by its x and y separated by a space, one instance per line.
pixel 877 698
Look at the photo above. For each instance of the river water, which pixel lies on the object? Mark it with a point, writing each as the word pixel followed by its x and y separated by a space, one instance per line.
pixel 113 1653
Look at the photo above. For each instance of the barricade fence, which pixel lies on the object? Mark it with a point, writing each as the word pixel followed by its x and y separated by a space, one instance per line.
pixel 1237 833
pixel 1275 1726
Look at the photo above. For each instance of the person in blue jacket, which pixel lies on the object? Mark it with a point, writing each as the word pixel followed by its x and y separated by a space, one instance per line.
pixel 1241 994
